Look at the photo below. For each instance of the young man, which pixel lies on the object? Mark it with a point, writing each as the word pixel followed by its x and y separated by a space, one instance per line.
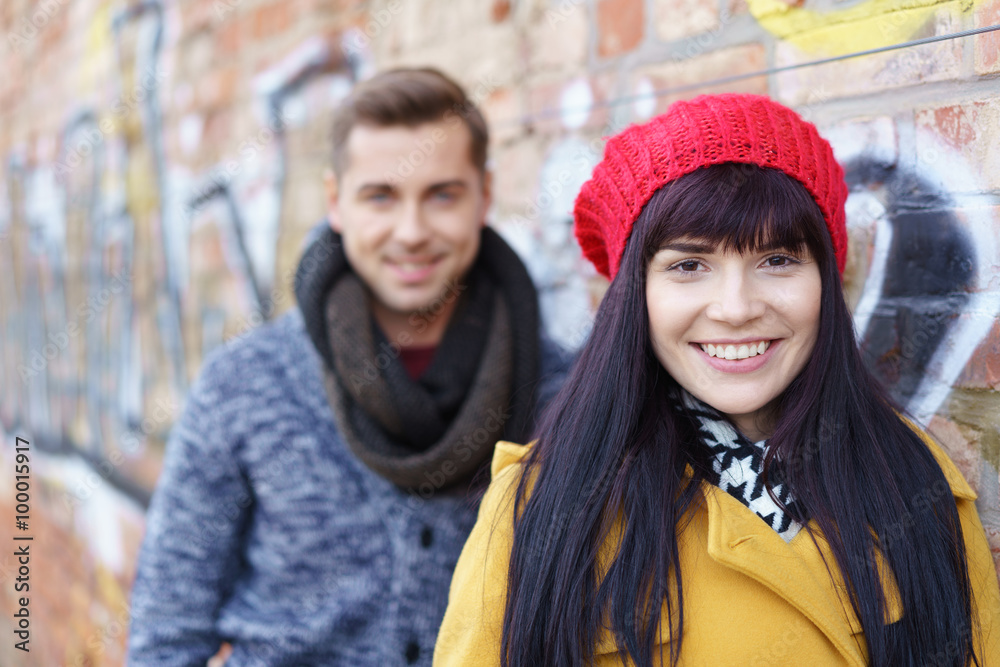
pixel 320 485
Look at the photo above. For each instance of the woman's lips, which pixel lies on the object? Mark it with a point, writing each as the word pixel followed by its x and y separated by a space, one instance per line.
pixel 748 365
pixel 736 350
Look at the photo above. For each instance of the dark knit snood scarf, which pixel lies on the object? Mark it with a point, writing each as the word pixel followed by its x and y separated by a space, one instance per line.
pixel 479 388
pixel 737 464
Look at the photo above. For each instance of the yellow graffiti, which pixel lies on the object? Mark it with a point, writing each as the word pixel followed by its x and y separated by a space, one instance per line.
pixel 98 50
pixel 865 25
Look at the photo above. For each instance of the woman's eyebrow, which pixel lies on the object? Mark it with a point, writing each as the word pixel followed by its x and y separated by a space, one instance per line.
pixel 706 248
pixel 688 246
pixel 791 246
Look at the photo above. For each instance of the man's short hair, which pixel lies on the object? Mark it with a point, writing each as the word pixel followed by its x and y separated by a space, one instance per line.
pixel 410 97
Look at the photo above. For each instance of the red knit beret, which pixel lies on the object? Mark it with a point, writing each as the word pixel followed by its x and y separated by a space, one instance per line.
pixel 710 129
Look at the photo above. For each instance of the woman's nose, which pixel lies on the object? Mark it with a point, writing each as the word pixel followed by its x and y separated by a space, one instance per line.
pixel 736 300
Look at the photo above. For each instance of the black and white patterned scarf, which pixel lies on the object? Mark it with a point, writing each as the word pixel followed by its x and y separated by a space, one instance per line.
pixel 737 464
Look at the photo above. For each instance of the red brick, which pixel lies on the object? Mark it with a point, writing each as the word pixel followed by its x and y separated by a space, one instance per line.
pixel 703 68
pixel 969 131
pixel 987 45
pixel 54 32
pixel 956 124
pixel 605 89
pixel 270 20
pixel 983 369
pixel 621 25
pixel 226 82
pixel 962 447
pixel 229 35
pixel 502 108
pixel 516 176
pixel 207 254
pixel 200 14
pixel 736 8
pixel 545 102
pixel 558 38
pixel 543 105
pixel 500 11
pixel 676 19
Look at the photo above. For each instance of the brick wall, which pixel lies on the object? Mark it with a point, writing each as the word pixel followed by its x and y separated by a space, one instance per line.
pixel 162 164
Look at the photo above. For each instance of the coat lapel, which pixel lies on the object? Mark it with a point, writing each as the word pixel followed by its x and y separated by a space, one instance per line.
pixel 797 571
pixel 741 540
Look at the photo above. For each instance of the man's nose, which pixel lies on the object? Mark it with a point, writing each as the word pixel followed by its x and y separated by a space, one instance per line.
pixel 411 228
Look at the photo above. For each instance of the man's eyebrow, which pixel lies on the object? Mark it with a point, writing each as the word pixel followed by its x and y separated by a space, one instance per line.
pixel 376 186
pixel 455 182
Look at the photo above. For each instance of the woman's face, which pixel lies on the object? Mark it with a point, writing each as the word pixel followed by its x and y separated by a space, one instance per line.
pixel 733 329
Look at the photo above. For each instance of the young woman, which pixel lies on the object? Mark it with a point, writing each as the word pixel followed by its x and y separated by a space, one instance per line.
pixel 721 481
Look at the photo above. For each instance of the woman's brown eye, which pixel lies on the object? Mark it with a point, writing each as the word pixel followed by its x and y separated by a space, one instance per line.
pixel 777 261
pixel 689 265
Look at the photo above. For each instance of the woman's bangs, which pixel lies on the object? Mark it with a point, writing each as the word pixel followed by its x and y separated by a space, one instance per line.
pixel 739 208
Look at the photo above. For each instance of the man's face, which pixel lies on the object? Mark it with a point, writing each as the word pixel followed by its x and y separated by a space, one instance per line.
pixel 410 206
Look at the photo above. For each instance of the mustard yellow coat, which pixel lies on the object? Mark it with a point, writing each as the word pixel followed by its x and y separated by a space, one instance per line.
pixel 750 598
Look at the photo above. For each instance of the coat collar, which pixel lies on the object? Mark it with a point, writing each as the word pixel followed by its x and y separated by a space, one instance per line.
pixel 798 570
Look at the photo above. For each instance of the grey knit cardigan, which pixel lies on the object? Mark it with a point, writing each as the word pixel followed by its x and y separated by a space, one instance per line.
pixel 267 532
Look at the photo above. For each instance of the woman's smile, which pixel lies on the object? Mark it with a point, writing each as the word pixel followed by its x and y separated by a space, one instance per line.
pixel 737 357
pixel 733 329
pixel 736 349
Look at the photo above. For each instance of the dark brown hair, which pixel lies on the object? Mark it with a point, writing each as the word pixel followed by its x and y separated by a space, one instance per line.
pixel 411 97
pixel 613 444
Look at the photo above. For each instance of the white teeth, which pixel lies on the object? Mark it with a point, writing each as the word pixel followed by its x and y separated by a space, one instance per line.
pixel 736 352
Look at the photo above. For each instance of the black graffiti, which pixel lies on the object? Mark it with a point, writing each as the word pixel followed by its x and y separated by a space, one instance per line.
pixel 930 271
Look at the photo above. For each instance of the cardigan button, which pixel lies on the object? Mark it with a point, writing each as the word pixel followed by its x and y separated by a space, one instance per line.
pixel 412 652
